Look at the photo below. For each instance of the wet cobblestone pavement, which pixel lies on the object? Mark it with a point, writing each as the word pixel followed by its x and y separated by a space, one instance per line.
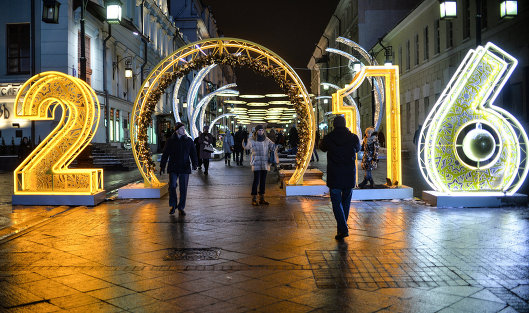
pixel 227 256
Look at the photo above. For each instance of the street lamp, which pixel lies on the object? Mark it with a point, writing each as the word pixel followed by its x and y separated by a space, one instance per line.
pixel 508 9
pixel 50 11
pixel 128 70
pixel 113 11
pixel 448 9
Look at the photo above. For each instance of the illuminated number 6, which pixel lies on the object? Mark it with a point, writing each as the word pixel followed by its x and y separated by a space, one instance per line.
pixel 45 170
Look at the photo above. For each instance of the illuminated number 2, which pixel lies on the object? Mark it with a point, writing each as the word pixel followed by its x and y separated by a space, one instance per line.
pixel 45 170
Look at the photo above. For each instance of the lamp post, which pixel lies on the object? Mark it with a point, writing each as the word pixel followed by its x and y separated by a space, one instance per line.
pixel 448 11
pixel 50 11
pixel 82 59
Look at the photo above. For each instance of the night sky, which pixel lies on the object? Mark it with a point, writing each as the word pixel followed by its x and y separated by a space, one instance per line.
pixel 290 28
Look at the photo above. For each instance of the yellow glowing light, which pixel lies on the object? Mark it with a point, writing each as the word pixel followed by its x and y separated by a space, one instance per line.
pixel 391 85
pixel 257 104
pixel 485 147
pixel 221 50
pixel 235 101
pixel 45 171
pixel 276 95
pixel 251 96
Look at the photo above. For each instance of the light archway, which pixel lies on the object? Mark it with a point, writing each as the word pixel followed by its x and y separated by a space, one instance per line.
pixel 228 51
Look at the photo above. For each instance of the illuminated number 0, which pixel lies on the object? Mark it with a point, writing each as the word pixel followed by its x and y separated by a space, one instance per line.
pixel 45 170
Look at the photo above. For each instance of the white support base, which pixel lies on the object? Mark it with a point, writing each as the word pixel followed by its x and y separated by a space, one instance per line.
pixel 310 187
pixel 139 191
pixel 400 192
pixel 89 200
pixel 472 200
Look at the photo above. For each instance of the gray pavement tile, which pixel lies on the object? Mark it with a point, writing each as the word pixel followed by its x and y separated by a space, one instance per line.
pixel 74 301
pixel 253 300
pixel 143 285
pixel 101 307
pixel 522 292
pixel 192 302
pixel 477 305
pixel 224 293
pixel 110 292
pixel 486 295
pixel 132 301
pixel 285 306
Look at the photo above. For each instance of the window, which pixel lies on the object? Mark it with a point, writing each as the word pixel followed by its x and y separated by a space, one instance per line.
pixel 484 14
pixel 449 34
pixel 416 49
pixel 426 44
pixel 111 126
pixel 466 19
pixel 407 55
pixel 426 106
pixel 437 37
pixel 18 48
pixel 416 114
pixel 400 59
pixel 117 127
pixel 87 56
pixel 408 118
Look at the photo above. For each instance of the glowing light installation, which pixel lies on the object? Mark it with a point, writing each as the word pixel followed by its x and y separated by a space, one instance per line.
pixel 218 118
pixel 391 86
pixel 357 130
pixel 200 109
pixel 193 91
pixel 370 61
pixel 230 51
pixel 45 171
pixel 466 143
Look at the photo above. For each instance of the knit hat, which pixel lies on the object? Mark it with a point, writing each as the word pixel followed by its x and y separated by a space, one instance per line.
pixel 178 125
pixel 339 121
pixel 259 127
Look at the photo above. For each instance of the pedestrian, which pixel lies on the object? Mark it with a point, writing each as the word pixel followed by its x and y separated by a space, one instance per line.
pixel 293 140
pixel 206 142
pixel 238 139
pixel 341 146
pixel 272 135
pixel 197 148
pixel 381 138
pixel 180 153
pixel 227 147
pixel 316 145
pixel 370 159
pixel 417 134
pixel 261 146
pixel 24 149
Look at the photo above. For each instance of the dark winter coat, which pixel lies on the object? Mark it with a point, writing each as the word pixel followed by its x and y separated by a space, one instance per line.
pixel 341 146
pixel 238 138
pixel 181 153
pixel 203 140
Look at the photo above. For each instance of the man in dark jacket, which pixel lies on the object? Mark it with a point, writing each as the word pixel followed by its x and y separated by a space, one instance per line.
pixel 341 146
pixel 238 138
pixel 181 153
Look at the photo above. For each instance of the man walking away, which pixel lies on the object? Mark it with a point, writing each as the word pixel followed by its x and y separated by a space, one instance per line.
pixel 237 147
pixel 341 146
pixel 181 153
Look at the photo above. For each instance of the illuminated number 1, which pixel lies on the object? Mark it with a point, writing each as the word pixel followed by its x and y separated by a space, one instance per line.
pixel 45 170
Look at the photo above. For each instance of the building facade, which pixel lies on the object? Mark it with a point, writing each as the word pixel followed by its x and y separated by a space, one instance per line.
pixel 362 21
pixel 428 50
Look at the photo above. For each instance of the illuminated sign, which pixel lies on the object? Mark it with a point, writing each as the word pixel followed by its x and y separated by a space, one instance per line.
pixel 201 54
pixel 45 171
pixel 467 144
pixel 391 86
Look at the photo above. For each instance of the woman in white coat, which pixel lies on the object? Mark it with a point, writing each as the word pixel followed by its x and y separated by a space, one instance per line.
pixel 261 148
pixel 227 147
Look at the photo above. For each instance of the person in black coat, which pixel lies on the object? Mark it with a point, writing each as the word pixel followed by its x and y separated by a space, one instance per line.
pixel 341 146
pixel 181 153
pixel 238 138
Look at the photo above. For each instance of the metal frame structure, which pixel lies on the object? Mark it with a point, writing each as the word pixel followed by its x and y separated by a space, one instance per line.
pixel 391 85
pixel 45 171
pixel 218 118
pixel 468 100
pixel 167 70
pixel 200 109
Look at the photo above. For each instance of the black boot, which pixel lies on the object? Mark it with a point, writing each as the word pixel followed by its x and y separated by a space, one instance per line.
pixel 254 200
pixel 262 200
pixel 372 183
pixel 229 164
pixel 363 183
